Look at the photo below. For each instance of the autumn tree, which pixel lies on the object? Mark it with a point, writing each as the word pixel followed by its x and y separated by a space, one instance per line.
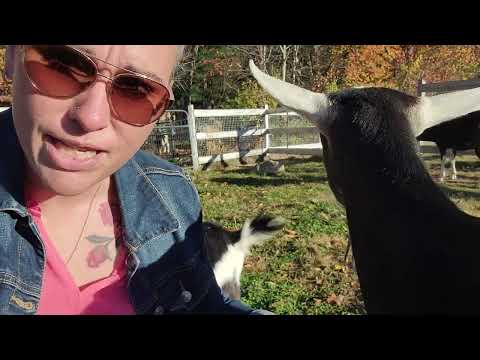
pixel 5 88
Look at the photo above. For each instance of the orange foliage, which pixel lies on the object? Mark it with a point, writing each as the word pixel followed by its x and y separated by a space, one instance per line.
pixel 5 88
pixel 373 65
pixel 396 66
pixel 450 62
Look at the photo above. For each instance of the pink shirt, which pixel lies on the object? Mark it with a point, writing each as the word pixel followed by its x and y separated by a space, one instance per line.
pixel 61 296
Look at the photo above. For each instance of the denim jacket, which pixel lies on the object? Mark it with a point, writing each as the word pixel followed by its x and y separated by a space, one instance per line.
pixel 167 269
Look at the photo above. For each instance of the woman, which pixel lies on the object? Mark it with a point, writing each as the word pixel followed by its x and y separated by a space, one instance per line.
pixel 90 224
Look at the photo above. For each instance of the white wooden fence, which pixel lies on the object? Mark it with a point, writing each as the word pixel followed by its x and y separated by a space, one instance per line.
pixel 217 135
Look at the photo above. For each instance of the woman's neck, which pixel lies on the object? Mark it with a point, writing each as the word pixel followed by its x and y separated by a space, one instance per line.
pixel 48 199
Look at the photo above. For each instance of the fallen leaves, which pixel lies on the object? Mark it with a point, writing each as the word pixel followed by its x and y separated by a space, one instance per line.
pixel 333 299
pixel 291 234
pixel 339 267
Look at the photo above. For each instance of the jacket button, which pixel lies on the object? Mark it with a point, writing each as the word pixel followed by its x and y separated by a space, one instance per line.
pixel 186 296
pixel 159 310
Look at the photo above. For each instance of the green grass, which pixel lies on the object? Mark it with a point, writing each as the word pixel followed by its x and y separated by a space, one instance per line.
pixel 302 270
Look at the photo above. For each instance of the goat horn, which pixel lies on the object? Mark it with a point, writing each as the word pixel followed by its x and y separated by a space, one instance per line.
pixel 434 110
pixel 300 100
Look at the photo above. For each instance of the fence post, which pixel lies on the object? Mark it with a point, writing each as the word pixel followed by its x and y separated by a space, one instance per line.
pixel 320 140
pixel 420 88
pixel 192 131
pixel 267 127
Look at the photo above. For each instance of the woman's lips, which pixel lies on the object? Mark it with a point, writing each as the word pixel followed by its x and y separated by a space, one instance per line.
pixel 69 157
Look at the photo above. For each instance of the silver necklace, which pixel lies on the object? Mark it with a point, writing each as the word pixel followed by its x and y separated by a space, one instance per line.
pixel 84 224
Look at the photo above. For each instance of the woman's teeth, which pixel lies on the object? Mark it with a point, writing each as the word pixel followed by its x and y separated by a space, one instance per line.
pixel 75 152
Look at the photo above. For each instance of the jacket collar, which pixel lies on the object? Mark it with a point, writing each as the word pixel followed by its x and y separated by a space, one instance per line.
pixel 145 213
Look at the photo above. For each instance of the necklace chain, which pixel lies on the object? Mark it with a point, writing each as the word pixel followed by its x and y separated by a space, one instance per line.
pixel 84 224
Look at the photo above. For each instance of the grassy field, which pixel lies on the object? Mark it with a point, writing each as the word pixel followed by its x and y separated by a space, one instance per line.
pixel 302 270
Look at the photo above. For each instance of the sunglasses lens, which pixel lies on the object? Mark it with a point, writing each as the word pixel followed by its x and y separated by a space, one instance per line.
pixel 138 101
pixel 58 71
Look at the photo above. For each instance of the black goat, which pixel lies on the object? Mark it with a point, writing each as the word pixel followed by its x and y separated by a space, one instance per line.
pixel 415 251
pixel 455 135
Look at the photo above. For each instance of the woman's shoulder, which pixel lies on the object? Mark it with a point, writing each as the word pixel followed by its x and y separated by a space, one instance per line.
pixel 151 164
pixel 165 176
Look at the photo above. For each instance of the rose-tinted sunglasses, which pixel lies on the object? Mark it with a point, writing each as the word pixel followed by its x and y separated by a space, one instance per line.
pixel 61 71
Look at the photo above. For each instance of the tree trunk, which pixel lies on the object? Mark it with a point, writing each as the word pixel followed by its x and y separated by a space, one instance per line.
pixel 192 71
pixel 284 50
pixel 296 49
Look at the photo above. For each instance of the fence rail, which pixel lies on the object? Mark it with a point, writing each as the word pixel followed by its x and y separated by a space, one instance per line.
pixel 447 86
pixel 230 134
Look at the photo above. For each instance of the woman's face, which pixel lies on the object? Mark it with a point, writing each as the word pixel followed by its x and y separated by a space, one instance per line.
pixel 72 144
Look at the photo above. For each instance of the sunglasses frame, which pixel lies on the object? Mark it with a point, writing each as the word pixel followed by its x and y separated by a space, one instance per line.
pixel 90 58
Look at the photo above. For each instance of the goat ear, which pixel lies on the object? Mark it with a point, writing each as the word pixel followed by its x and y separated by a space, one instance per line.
pixel 434 110
pixel 308 103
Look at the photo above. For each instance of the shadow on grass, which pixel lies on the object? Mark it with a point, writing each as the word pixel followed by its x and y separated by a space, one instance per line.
pixel 461 166
pixel 467 166
pixel 463 194
pixel 250 169
pixel 270 180
pixel 430 157
pixel 221 165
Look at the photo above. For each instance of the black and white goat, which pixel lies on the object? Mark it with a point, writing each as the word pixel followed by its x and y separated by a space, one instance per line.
pixel 452 136
pixel 415 251
pixel 226 250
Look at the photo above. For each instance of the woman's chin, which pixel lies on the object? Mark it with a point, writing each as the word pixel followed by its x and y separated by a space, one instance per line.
pixel 66 183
